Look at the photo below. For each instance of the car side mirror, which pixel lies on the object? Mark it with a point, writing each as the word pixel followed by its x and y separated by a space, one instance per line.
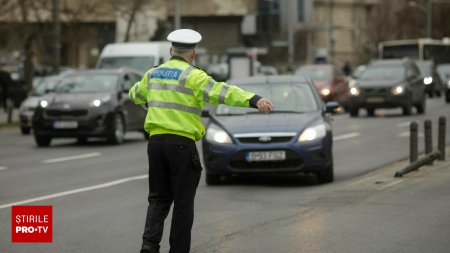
pixel 332 106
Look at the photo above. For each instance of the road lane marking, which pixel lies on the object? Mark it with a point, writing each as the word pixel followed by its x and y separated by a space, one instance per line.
pixel 70 158
pixel 3 168
pixel 74 191
pixel 406 134
pixel 346 136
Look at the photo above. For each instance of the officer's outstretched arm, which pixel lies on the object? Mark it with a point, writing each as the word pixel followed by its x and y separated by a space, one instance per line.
pixel 138 93
pixel 207 90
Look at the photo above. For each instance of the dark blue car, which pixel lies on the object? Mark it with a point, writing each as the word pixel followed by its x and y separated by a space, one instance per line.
pixel 294 138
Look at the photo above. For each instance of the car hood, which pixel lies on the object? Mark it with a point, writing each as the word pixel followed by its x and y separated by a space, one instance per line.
pixel 76 100
pixel 31 101
pixel 264 123
pixel 377 83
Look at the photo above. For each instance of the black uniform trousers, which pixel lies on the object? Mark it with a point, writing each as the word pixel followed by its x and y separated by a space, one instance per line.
pixel 174 174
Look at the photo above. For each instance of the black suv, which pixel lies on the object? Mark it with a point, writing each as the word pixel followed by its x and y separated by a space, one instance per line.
pixel 388 84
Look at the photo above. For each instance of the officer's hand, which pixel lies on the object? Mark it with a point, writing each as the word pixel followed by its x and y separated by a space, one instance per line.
pixel 264 105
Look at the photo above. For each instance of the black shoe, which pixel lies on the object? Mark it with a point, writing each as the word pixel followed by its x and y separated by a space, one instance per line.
pixel 148 249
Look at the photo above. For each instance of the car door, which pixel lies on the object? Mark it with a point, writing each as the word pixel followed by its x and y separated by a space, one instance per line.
pixel 135 113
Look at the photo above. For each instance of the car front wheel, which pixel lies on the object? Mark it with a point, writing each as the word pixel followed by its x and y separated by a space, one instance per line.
pixel 42 141
pixel 118 130
pixel 326 175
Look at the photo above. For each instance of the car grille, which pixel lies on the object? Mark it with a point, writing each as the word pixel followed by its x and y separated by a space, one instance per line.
pixel 381 91
pixel 240 163
pixel 265 137
pixel 54 113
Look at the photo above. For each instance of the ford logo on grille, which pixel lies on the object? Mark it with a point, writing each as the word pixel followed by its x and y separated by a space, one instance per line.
pixel 265 139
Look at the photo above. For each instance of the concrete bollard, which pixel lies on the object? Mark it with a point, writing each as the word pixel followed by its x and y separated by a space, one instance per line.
pixel 419 163
pixel 441 138
pixel 413 143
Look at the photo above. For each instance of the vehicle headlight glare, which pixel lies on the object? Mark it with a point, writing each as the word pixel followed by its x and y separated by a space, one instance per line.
pixel 398 90
pixel 325 92
pixel 217 135
pixel 354 91
pixel 428 80
pixel 96 103
pixel 43 103
pixel 313 133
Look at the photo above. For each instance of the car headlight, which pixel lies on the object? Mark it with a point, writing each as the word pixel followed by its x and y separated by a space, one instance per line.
pixel 448 84
pixel 325 92
pixel 217 135
pixel 313 133
pixel 428 80
pixel 43 103
pixel 354 91
pixel 99 102
pixel 398 90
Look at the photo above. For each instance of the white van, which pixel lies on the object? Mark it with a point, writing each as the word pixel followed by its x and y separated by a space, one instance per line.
pixel 136 55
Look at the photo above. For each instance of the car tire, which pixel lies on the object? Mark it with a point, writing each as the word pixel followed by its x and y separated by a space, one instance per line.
pixel 82 140
pixel 353 112
pixel 447 97
pixel 326 175
pixel 371 112
pixel 212 179
pixel 407 108
pixel 42 141
pixel 25 130
pixel 117 130
pixel 421 107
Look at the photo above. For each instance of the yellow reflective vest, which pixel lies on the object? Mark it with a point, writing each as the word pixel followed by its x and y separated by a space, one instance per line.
pixel 176 92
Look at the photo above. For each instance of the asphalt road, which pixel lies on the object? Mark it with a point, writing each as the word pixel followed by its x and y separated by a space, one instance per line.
pixel 98 194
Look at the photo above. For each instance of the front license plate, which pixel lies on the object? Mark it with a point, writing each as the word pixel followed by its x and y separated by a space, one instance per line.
pixel 65 124
pixel 375 100
pixel 262 156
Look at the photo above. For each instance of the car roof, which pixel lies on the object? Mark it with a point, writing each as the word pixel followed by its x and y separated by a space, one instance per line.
pixel 273 79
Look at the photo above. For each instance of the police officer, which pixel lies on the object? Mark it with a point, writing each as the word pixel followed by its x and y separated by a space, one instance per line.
pixel 175 93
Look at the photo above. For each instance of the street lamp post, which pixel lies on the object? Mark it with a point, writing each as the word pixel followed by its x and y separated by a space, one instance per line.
pixel 428 10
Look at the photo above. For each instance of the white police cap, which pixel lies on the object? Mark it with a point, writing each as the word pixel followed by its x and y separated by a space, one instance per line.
pixel 184 38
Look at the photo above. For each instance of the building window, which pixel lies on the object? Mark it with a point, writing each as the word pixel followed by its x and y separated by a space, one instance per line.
pixel 301 10
pixel 268 17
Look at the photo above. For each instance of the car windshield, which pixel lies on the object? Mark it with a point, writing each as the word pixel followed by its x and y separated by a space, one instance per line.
pixel 425 68
pixel 139 63
pixel 383 72
pixel 46 84
pixel 88 83
pixel 286 98
pixel 316 74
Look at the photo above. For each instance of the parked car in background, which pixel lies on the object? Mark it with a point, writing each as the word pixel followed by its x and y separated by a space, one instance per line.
pixel 444 73
pixel 388 84
pixel 431 78
pixel 26 111
pixel 296 137
pixel 91 103
pixel 329 81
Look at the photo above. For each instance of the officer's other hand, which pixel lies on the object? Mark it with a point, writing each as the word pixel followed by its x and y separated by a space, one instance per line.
pixel 264 105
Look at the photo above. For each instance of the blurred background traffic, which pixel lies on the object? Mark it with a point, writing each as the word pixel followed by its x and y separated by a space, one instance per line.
pixel 333 42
